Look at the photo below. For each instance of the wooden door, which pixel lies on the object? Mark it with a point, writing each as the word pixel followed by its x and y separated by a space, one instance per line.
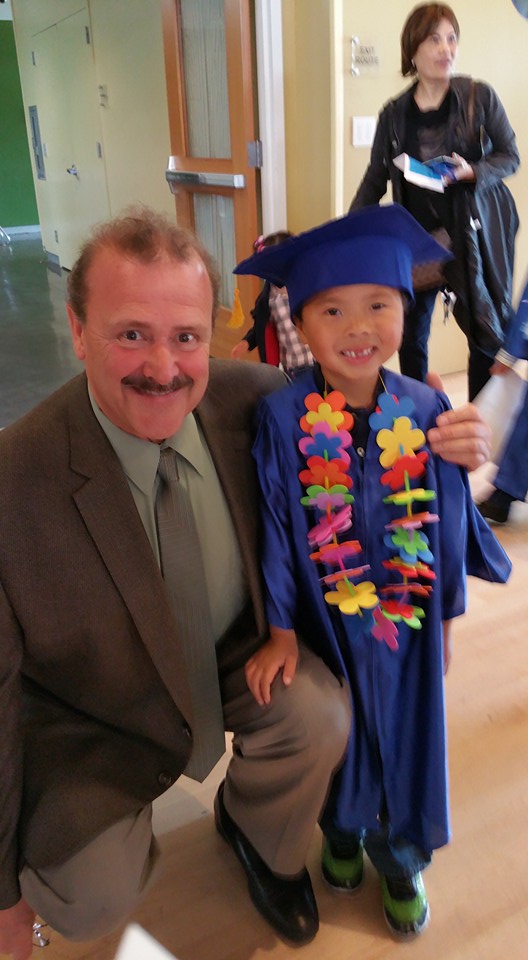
pixel 211 89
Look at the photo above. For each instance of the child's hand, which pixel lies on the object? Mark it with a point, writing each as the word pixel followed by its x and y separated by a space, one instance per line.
pixel 239 350
pixel 280 652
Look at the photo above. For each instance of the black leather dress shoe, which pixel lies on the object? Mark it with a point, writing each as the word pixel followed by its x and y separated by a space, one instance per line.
pixel 288 905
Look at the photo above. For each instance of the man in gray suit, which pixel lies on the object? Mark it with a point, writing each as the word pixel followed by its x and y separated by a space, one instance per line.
pixel 93 712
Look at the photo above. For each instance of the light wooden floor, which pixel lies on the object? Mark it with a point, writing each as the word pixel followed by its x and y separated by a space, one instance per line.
pixel 478 886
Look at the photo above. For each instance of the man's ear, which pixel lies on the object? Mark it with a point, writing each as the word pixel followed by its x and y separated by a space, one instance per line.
pixel 77 332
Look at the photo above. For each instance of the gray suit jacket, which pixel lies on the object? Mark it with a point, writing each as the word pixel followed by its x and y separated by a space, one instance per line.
pixel 90 726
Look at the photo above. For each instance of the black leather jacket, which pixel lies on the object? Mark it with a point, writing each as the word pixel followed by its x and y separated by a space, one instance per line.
pixel 484 218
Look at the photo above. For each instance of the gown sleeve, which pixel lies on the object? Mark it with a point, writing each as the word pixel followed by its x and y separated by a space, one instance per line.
pixel 483 556
pixel 271 459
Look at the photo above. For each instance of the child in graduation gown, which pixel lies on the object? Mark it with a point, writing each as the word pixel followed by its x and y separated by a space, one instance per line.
pixel 367 541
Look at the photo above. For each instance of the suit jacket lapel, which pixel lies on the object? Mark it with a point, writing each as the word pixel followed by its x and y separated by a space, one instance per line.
pixel 106 505
pixel 229 440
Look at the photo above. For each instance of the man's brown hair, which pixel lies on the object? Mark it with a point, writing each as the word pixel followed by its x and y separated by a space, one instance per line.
pixel 144 235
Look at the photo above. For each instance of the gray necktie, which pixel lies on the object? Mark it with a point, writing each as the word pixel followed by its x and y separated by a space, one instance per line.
pixel 183 573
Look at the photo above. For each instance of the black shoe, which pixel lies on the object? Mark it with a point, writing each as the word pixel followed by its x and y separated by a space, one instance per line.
pixel 288 905
pixel 496 507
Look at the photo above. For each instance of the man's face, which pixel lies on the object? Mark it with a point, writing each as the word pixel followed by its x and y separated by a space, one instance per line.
pixel 145 341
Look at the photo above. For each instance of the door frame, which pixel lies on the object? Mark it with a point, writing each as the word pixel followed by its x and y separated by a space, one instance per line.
pixel 270 91
pixel 240 78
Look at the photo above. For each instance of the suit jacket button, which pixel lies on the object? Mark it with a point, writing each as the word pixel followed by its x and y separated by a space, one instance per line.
pixel 164 779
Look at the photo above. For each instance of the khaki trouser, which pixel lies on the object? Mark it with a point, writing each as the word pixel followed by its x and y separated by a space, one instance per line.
pixel 276 785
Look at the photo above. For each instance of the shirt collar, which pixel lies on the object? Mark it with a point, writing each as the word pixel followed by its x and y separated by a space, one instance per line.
pixel 140 458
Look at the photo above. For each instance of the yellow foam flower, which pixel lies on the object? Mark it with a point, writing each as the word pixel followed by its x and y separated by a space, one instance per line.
pixel 351 599
pixel 401 441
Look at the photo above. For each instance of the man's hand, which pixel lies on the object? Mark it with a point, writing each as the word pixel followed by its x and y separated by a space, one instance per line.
pixel 280 652
pixel 16 931
pixel 461 436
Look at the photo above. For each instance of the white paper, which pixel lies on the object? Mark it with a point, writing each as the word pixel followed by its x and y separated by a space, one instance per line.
pixel 137 944
pixel 499 402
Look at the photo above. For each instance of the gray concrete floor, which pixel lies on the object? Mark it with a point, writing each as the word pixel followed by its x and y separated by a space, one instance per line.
pixel 36 355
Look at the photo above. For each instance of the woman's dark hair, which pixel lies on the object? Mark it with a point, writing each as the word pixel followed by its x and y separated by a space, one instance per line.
pixel 421 22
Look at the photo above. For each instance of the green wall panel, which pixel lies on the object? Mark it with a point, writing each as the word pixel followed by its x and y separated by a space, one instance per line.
pixel 17 194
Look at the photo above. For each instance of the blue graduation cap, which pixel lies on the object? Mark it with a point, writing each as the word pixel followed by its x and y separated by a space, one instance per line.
pixel 377 244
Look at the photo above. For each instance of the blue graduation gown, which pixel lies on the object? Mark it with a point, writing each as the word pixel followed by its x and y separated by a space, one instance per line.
pixel 396 758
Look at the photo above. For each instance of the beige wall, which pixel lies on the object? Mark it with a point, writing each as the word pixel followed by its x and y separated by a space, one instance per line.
pixel 307 92
pixel 494 41
pixel 131 122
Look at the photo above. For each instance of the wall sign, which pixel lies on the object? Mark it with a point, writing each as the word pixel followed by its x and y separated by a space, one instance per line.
pixel 364 57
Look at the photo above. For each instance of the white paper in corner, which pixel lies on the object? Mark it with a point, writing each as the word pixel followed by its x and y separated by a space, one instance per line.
pixel 137 944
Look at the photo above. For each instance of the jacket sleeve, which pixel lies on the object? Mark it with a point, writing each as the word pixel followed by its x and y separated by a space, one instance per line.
pixel 500 156
pixel 374 183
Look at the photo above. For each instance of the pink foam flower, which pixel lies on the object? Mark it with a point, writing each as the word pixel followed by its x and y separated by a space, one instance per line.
pixel 330 526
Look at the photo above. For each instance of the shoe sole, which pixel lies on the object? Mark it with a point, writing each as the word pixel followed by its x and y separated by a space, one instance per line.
pixel 413 934
pixel 343 891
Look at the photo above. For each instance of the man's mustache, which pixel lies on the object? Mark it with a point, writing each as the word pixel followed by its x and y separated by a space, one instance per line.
pixel 149 385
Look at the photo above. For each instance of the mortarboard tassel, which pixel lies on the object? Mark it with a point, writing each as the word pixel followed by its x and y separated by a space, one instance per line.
pixel 237 314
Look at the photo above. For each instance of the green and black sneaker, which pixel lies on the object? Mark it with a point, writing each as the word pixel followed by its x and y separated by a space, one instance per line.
pixel 405 906
pixel 342 866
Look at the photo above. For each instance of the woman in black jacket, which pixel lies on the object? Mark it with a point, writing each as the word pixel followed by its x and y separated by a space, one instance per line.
pixel 463 118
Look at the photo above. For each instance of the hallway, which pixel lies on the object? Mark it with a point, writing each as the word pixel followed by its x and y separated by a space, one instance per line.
pixel 36 355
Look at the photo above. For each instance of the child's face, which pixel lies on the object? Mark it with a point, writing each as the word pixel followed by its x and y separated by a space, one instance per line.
pixel 352 331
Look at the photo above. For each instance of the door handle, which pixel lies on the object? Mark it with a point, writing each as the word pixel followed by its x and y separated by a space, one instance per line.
pixel 72 170
pixel 189 178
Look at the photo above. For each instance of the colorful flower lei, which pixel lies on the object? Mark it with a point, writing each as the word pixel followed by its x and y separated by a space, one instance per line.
pixel 328 491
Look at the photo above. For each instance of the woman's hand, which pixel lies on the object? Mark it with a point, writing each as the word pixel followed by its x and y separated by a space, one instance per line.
pixel 463 170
